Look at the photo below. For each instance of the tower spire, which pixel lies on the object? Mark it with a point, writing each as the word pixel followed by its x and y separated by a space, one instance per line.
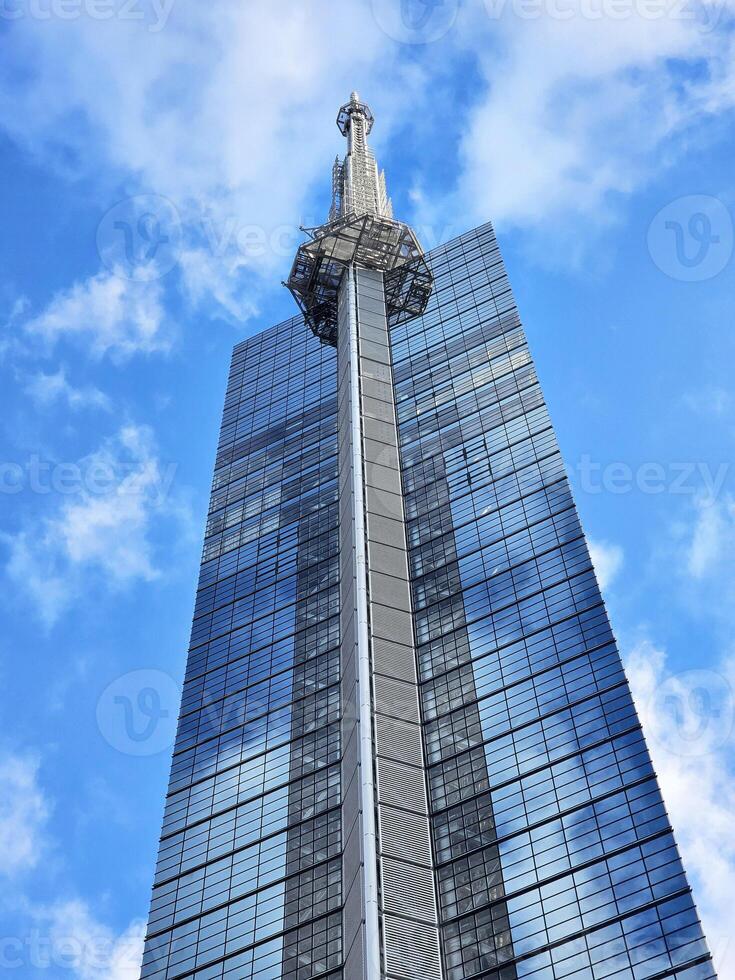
pixel 358 187
pixel 361 233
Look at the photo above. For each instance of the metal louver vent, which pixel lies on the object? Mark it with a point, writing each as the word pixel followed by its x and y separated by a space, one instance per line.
pixel 405 835
pixel 398 740
pixel 397 699
pixel 408 888
pixel 401 785
pixel 394 660
pixel 411 950
pixel 387 623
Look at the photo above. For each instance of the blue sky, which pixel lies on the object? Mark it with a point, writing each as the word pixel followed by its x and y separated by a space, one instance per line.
pixel 157 160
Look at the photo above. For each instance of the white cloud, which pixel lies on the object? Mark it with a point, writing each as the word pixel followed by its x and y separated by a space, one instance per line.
pixel 688 721
pixel 581 107
pixel 111 314
pixel 48 389
pixel 64 935
pixel 87 948
pixel 710 400
pixel 18 309
pixel 24 811
pixel 216 277
pixel 102 530
pixel 607 560
pixel 712 539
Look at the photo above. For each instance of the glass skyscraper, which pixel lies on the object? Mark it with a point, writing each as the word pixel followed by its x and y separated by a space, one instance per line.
pixel 407 748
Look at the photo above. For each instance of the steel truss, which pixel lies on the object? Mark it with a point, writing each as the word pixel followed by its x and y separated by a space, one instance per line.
pixel 367 240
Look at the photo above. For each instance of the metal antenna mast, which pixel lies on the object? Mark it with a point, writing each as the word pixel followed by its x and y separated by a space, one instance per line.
pixel 361 230
pixel 357 184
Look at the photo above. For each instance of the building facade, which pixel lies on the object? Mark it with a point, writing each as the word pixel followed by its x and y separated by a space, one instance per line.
pixel 407 748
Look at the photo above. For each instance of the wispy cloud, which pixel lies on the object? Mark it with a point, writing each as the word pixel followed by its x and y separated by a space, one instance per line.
pixel 24 812
pixel 711 400
pixel 18 309
pixel 608 561
pixel 47 390
pixel 688 721
pixel 102 531
pixel 64 935
pixel 107 313
pixel 584 106
pixel 88 948
pixel 711 541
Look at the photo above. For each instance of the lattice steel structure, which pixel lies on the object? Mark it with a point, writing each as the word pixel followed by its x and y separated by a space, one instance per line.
pixel 358 186
pixel 368 241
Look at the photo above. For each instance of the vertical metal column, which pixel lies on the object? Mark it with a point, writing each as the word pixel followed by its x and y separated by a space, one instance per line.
pixel 379 657
pixel 361 933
